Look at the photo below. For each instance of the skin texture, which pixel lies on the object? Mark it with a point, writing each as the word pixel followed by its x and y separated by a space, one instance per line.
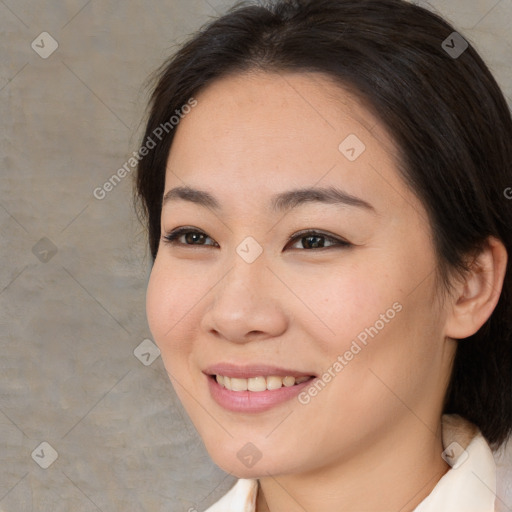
pixel 370 440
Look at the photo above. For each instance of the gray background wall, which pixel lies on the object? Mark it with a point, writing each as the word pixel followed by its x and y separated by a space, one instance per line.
pixel 74 268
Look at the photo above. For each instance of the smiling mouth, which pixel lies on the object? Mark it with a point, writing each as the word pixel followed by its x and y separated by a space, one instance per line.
pixel 258 384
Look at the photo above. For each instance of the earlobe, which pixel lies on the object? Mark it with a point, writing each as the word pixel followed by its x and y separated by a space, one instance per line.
pixel 478 293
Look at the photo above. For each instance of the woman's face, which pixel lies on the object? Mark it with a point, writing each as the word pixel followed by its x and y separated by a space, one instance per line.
pixel 337 284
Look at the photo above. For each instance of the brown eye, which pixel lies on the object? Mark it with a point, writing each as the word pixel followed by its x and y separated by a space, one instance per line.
pixel 316 240
pixel 190 237
pixel 308 239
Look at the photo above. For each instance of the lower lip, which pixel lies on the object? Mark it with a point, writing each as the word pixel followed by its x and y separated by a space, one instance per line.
pixel 253 401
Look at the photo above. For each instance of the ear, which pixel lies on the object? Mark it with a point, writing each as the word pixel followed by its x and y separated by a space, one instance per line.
pixel 476 296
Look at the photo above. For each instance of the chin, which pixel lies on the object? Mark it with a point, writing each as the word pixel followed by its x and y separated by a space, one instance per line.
pixel 249 462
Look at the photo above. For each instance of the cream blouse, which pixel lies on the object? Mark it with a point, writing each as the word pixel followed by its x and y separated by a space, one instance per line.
pixel 469 486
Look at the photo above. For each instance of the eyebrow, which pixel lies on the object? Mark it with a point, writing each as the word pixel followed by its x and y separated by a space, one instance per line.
pixel 280 202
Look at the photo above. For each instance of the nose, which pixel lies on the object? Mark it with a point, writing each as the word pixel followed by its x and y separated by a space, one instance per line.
pixel 246 304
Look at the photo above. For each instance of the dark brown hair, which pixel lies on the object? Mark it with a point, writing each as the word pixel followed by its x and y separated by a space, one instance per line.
pixel 445 111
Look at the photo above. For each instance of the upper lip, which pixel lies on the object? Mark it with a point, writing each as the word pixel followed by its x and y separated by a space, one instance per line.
pixel 252 370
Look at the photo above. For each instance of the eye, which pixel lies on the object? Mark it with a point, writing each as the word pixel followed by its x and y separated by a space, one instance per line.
pixel 316 240
pixel 313 239
pixel 190 235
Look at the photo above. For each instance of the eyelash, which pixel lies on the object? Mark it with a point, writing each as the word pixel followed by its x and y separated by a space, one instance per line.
pixel 172 238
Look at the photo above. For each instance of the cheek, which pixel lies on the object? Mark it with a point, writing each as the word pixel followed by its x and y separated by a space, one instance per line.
pixel 158 303
pixel 170 300
pixel 341 302
pixel 370 313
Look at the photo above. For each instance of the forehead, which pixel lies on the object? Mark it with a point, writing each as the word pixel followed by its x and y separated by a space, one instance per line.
pixel 263 132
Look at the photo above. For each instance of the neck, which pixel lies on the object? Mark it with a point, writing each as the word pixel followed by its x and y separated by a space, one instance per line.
pixel 397 472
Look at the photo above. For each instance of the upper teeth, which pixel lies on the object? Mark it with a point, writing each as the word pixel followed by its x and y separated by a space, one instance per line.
pixel 258 383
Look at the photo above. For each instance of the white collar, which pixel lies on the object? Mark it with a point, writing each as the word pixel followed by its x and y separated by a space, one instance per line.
pixel 469 486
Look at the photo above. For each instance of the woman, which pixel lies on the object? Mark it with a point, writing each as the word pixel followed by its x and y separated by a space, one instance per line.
pixel 325 192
